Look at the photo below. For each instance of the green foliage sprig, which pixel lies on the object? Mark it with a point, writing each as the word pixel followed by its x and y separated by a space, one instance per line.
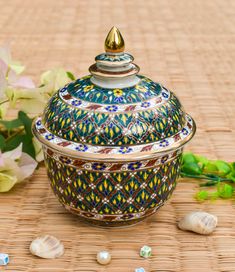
pixel 216 173
pixel 15 132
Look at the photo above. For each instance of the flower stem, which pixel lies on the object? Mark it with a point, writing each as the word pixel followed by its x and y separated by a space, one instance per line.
pixel 3 102
pixel 212 179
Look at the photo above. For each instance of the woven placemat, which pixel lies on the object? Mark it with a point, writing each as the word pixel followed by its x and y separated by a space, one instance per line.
pixel 188 46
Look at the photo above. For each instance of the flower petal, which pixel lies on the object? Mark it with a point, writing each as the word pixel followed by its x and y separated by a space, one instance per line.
pixel 31 106
pixel 17 67
pixel 5 53
pixel 38 150
pixel 3 109
pixel 14 154
pixel 6 182
pixel 27 166
pixel 23 82
pixel 1 159
pixel 3 85
pixel 56 78
pixel 3 67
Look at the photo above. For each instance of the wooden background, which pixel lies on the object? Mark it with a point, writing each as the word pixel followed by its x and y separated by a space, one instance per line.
pixel 188 46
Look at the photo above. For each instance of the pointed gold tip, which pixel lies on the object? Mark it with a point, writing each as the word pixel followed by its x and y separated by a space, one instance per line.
pixel 114 42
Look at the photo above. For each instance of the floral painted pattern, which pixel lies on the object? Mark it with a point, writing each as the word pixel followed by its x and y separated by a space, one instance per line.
pixel 114 58
pixel 98 166
pixel 81 148
pixel 134 165
pixel 164 143
pixel 101 149
pixel 125 149
pixel 118 92
pixel 84 88
pixel 112 108
pixel 76 102
pixel 50 137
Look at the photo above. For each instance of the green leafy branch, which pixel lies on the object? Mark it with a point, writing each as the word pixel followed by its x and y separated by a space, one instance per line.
pixel 215 172
pixel 15 132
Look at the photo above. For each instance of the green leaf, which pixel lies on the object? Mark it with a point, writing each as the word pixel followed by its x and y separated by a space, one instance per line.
pixel 201 160
pixel 28 146
pixel 27 122
pixel 2 143
pixel 25 136
pixel 189 158
pixel 225 190
pixel 210 168
pixel 191 168
pixel 202 195
pixel 232 165
pixel 231 176
pixel 223 167
pixel 70 75
pixel 214 195
pixel 9 125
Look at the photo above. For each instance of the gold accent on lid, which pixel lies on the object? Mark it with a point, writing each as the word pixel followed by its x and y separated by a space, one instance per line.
pixel 114 42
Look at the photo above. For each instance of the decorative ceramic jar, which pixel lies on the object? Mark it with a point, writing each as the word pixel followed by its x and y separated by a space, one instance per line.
pixel 113 140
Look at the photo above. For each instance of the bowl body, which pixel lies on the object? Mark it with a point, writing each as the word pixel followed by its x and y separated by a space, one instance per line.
pixel 113 140
pixel 112 194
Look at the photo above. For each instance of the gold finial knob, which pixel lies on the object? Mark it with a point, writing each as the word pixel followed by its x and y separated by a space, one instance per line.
pixel 114 42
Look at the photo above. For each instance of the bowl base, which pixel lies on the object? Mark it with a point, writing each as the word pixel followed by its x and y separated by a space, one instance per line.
pixel 112 224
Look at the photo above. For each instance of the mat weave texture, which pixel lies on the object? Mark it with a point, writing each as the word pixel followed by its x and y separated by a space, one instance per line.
pixel 188 46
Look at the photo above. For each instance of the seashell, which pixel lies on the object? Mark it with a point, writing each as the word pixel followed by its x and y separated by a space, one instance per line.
pixel 47 246
pixel 199 222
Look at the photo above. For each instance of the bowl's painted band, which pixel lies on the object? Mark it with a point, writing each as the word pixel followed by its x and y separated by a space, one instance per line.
pixel 107 167
pixel 114 153
pixel 163 97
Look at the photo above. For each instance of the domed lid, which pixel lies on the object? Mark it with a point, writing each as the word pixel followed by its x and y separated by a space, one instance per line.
pixel 114 111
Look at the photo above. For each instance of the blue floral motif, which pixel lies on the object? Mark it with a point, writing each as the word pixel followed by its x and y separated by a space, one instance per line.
pixel 134 165
pixel 111 125
pixel 164 143
pixel 81 94
pixel 98 166
pixel 83 89
pixel 125 149
pixel 67 115
pixel 65 160
pixel 165 95
pixel 164 159
pixel 76 102
pixel 119 99
pixel 81 147
pixel 39 123
pixel 145 104
pixel 50 137
pixel 63 90
pixel 185 131
pixel 147 94
pixel 111 108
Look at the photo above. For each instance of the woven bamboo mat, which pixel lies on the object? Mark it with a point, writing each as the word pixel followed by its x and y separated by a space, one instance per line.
pixel 189 46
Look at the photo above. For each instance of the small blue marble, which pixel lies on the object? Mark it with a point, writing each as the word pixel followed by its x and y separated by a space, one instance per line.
pixel 4 259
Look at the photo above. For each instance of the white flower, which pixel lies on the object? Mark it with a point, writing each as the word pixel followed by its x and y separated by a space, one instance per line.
pixel 15 166
pixel 38 150
pixel 53 80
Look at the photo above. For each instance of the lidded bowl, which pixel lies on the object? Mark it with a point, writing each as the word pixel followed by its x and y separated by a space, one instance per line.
pixel 113 140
